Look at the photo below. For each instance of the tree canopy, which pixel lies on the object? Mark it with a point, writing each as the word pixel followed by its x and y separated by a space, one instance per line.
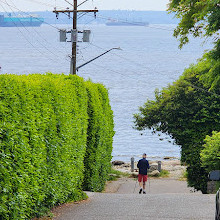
pixel 200 18
pixel 197 17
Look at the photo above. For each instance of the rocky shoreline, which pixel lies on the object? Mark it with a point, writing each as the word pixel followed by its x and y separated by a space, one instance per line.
pixel 174 167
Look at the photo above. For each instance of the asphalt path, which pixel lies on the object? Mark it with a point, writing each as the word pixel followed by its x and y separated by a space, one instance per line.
pixel 153 186
pixel 165 199
pixel 105 206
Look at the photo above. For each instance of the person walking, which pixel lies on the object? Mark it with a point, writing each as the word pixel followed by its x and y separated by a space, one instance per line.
pixel 143 165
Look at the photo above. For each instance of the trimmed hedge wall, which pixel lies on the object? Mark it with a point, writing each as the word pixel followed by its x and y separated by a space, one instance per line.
pixel 100 137
pixel 45 128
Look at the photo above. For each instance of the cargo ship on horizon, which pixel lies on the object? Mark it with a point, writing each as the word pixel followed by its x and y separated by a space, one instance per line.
pixel 21 21
pixel 126 23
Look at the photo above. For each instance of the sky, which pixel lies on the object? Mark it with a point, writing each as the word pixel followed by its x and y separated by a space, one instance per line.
pixel 42 5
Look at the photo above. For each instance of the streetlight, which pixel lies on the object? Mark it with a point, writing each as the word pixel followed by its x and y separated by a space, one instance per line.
pixel 115 48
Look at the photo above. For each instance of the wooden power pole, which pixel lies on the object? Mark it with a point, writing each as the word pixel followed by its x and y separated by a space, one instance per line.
pixel 74 31
pixel 74 42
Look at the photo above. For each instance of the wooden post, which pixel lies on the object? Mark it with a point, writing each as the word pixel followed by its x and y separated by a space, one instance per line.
pixel 159 166
pixel 132 164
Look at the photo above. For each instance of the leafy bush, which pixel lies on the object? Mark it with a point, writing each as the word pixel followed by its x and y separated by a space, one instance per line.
pixel 210 155
pixel 43 141
pixel 99 138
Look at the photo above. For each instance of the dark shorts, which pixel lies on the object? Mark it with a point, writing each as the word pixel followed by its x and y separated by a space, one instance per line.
pixel 142 177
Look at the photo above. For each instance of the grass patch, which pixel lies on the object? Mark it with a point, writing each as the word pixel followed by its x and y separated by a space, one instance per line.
pixel 184 176
pixel 116 174
pixel 48 216
pixel 164 173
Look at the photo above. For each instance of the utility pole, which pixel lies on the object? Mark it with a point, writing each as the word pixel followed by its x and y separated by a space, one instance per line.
pixel 74 31
pixel 74 43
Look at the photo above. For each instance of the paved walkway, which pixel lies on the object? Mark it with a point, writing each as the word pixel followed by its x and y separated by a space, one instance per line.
pixel 168 199
pixel 153 186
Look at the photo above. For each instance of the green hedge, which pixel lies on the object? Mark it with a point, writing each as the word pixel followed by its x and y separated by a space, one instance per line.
pixel 43 141
pixel 100 136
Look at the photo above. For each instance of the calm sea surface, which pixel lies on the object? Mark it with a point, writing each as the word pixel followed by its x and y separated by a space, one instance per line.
pixel 149 59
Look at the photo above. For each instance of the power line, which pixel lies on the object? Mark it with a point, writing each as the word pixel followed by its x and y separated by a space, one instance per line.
pixel 131 62
pixel 119 73
pixel 183 107
pixel 69 3
pixel 82 15
pixel 35 32
pixel 196 87
pixel 202 89
pixel 41 3
pixel 27 38
pixel 199 88
pixel 53 60
pixel 27 14
pixel 126 59
pixel 47 42
pixel 82 3
pixel 44 3
pixel 11 6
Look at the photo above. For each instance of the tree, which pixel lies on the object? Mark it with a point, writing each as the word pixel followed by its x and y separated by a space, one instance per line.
pixel 197 17
pixel 201 19
pixel 186 111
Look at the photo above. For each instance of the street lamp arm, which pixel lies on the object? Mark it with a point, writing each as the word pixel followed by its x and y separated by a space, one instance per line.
pixel 97 58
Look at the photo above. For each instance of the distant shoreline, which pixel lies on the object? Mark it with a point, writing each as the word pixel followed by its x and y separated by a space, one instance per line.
pixel 153 158
pixel 152 17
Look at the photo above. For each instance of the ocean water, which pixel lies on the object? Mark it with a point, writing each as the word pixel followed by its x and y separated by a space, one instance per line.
pixel 149 59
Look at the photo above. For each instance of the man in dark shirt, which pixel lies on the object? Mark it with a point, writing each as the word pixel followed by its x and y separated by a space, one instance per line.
pixel 143 165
